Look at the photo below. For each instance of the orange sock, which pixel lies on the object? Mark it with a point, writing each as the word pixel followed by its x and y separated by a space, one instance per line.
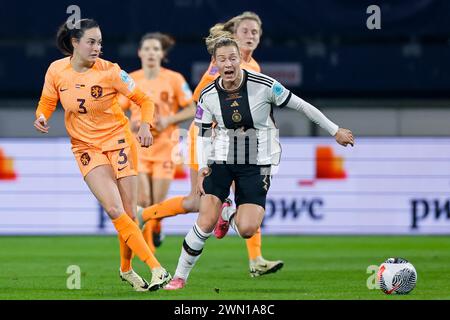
pixel 147 232
pixel 254 245
pixel 156 225
pixel 125 255
pixel 167 208
pixel 129 231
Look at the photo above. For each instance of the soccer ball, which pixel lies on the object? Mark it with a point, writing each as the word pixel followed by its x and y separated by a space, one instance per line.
pixel 397 275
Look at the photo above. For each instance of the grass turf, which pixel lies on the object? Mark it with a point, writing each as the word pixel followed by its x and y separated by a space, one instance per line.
pixel 316 267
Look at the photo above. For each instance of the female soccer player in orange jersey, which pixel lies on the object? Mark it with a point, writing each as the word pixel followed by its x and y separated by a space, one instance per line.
pixel 246 28
pixel 170 93
pixel 102 143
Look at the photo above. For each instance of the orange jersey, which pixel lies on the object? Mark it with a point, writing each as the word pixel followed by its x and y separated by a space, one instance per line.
pixel 213 73
pixel 170 92
pixel 209 76
pixel 93 116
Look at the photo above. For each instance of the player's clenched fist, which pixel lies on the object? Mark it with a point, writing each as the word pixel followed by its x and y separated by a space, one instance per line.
pixel 41 124
pixel 344 137
pixel 144 135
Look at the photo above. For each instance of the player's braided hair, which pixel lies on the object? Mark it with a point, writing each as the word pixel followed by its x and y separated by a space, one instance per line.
pixel 66 33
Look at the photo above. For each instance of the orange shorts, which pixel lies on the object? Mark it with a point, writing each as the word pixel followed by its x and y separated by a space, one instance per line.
pixel 123 158
pixel 158 169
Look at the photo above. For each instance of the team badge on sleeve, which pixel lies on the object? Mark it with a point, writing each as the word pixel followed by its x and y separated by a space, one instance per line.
pixel 125 77
pixel 199 113
pixel 277 89
pixel 213 70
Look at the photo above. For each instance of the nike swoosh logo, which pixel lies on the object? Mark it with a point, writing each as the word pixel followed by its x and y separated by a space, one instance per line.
pixel 61 89
pixel 393 289
pixel 162 276
pixel 120 169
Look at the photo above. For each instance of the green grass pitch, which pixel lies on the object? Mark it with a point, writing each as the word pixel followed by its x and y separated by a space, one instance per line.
pixel 316 267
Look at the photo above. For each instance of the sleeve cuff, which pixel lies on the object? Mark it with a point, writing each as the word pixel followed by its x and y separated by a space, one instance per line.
pixel 286 101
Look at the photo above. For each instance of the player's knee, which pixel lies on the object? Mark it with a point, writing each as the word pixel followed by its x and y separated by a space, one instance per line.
pixel 207 223
pixel 191 203
pixel 246 234
pixel 247 231
pixel 143 202
pixel 114 210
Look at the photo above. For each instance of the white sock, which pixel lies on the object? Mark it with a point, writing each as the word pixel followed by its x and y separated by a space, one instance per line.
pixel 227 213
pixel 190 251
pixel 233 224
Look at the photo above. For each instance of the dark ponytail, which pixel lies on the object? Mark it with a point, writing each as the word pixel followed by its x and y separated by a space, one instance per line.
pixel 65 34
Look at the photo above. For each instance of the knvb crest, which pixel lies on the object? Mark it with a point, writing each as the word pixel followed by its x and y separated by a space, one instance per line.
pixel 164 96
pixel 96 91
pixel 85 159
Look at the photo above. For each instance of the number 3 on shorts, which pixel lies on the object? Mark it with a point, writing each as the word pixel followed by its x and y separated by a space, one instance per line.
pixel 123 155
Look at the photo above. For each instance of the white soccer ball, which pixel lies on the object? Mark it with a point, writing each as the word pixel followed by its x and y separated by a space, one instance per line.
pixel 397 275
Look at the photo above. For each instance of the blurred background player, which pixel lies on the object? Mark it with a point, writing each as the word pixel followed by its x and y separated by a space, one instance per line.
pixel 102 143
pixel 247 29
pixel 248 113
pixel 171 93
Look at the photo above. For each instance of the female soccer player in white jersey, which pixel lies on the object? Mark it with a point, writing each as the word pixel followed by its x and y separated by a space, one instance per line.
pixel 245 146
pixel 246 28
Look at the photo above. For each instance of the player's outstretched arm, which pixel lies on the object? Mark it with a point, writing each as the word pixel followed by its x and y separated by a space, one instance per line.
pixel 343 136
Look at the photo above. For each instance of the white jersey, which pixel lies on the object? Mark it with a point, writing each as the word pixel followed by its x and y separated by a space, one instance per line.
pixel 246 132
